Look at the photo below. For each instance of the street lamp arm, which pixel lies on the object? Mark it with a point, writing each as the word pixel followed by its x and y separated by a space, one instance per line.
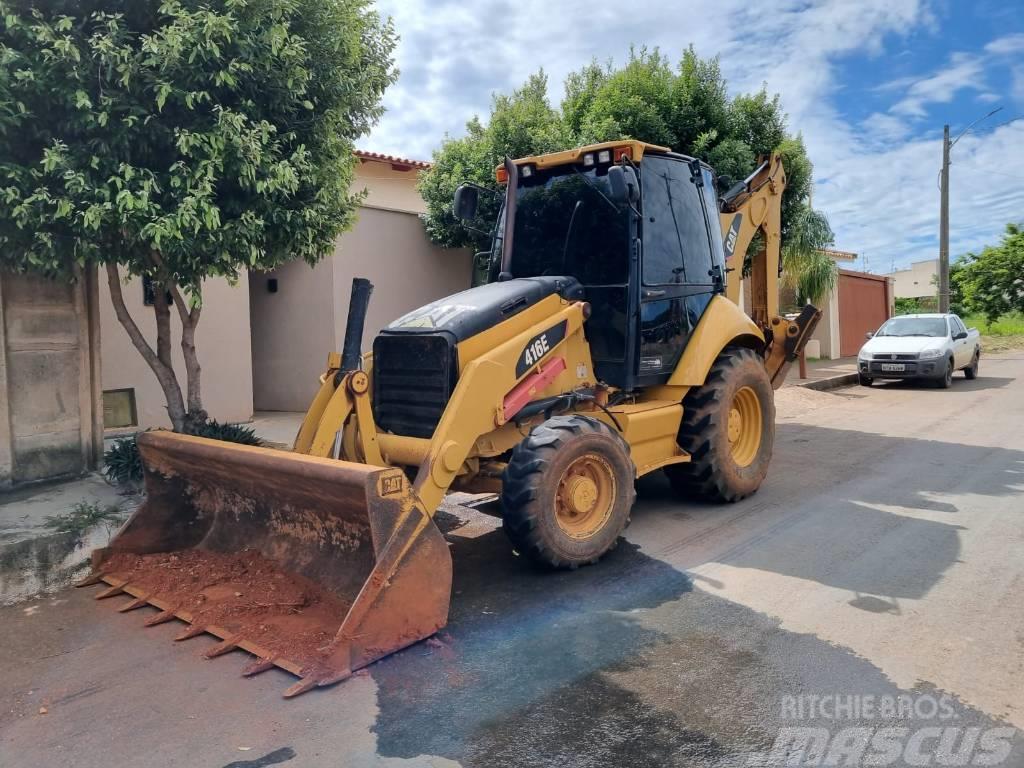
pixel 965 130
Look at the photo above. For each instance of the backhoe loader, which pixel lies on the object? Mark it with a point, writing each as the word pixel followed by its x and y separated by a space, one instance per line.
pixel 607 344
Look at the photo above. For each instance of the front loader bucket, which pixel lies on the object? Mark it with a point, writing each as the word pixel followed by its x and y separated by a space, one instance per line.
pixel 316 566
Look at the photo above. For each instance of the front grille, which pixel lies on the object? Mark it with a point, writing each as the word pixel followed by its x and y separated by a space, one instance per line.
pixel 887 358
pixel 413 378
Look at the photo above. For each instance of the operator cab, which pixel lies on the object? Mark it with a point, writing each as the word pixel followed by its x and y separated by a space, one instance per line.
pixel 637 225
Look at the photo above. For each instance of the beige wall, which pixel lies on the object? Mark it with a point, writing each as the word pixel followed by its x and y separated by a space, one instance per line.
pixel 50 415
pixel 387 188
pixel 294 329
pixel 222 340
pixel 292 332
pixel 916 281
pixel 393 252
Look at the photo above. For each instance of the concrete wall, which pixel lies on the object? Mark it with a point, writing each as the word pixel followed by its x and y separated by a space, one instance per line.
pixel 294 329
pixel 827 332
pixel 222 340
pixel 50 413
pixel 916 281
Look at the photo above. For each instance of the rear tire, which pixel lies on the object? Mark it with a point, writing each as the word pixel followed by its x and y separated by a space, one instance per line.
pixel 971 371
pixel 865 381
pixel 567 492
pixel 728 429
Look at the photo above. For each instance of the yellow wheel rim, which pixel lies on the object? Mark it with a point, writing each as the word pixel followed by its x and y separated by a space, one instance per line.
pixel 744 427
pixel 586 492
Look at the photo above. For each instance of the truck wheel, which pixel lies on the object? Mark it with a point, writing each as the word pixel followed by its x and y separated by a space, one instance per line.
pixel 567 491
pixel 971 371
pixel 947 378
pixel 865 381
pixel 728 429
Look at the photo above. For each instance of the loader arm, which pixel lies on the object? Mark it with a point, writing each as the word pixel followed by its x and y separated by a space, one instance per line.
pixel 750 208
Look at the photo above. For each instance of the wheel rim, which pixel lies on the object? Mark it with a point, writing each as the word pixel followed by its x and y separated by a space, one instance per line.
pixel 586 493
pixel 745 427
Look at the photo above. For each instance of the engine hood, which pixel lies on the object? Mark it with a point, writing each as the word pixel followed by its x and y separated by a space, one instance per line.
pixel 466 314
pixel 901 345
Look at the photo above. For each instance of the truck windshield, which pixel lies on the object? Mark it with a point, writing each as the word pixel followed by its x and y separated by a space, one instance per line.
pixel 563 226
pixel 914 326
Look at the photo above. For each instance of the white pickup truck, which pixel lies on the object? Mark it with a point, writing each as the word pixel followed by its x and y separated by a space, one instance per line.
pixel 920 347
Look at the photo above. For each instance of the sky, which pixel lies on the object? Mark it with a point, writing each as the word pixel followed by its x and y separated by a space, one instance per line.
pixel 869 84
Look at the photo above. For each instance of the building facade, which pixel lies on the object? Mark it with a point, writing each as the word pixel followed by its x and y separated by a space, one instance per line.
pixel 918 281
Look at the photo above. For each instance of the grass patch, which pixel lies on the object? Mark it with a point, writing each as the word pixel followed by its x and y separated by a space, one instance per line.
pixel 85 516
pixel 1007 325
pixel 1004 335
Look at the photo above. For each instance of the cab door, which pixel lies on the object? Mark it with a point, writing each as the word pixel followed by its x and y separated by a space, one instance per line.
pixel 678 276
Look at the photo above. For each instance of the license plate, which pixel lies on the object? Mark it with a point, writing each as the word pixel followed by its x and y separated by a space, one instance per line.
pixel 894 367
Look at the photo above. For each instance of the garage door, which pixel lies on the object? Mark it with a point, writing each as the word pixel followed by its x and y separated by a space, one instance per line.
pixel 863 306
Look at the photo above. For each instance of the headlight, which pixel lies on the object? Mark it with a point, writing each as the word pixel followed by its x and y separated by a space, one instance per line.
pixel 931 354
pixel 862 355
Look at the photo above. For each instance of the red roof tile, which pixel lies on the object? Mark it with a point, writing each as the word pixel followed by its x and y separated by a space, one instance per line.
pixel 395 161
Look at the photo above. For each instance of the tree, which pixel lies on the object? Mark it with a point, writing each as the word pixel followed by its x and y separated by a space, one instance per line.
pixel 992 282
pixel 181 140
pixel 685 107
pixel 809 270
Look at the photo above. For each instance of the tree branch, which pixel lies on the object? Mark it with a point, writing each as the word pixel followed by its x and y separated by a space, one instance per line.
pixel 193 370
pixel 163 371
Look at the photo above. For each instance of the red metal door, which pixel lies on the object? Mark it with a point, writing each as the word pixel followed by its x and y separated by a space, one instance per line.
pixel 863 306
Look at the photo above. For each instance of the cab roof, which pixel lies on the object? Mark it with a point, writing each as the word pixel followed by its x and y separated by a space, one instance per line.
pixel 630 148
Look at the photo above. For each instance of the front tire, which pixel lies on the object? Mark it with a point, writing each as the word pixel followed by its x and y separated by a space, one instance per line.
pixel 728 429
pixel 567 492
pixel 865 381
pixel 947 379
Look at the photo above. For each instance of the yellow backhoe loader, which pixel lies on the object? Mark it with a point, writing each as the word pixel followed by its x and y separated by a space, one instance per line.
pixel 607 343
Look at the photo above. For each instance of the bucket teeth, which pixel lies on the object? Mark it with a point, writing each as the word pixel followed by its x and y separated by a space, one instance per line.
pixel 193 630
pixel 160 618
pixel 111 591
pixel 305 684
pixel 257 666
pixel 88 581
pixel 138 602
pixel 225 646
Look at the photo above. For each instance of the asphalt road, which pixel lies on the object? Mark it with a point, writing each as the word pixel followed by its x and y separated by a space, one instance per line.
pixel 880 563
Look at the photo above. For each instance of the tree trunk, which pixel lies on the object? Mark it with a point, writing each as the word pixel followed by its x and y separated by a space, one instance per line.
pixel 197 415
pixel 159 360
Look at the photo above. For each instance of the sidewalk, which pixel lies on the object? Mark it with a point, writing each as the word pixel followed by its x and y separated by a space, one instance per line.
pixel 824 374
pixel 33 557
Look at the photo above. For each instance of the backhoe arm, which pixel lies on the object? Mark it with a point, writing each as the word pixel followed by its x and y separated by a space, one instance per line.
pixel 754 207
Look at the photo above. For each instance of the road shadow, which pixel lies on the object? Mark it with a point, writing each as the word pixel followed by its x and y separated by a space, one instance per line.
pixel 960 384
pixel 853 528
pixel 623 663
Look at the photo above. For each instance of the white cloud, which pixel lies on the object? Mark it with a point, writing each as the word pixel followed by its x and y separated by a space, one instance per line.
pixel 987 98
pixel 1007 45
pixel 876 180
pixel 964 71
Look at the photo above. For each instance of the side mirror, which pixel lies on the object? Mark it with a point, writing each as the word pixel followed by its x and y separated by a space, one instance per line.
pixel 623 183
pixel 466 199
pixel 869 335
pixel 960 335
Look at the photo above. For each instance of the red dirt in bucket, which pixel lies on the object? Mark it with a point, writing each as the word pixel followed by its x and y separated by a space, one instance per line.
pixel 245 593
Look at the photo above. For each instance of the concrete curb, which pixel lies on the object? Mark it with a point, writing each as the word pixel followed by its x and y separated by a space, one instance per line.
pixel 832 382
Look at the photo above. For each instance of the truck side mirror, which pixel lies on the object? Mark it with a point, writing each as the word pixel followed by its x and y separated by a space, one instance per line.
pixel 623 184
pixel 466 199
pixel 960 335
pixel 869 335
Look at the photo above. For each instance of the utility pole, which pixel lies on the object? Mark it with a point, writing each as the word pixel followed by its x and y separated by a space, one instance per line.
pixel 944 225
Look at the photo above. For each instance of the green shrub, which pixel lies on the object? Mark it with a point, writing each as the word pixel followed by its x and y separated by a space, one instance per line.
pixel 123 464
pixel 231 433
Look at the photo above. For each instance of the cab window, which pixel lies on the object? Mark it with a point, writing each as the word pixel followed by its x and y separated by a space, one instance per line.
pixel 676 248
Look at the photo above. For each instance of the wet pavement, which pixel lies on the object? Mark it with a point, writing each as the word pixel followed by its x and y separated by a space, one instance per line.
pixel 878 567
